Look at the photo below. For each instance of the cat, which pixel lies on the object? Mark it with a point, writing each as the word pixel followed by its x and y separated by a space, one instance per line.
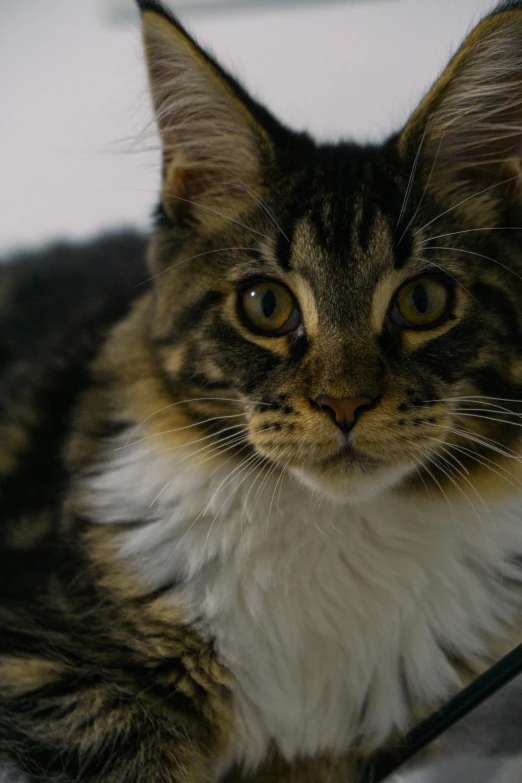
pixel 260 498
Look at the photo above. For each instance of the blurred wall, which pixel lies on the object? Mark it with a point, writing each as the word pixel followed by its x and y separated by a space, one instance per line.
pixel 77 147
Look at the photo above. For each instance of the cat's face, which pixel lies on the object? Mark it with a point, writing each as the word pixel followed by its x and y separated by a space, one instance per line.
pixel 350 313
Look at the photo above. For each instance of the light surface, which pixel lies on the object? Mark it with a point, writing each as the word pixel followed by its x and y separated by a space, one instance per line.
pixel 122 10
pixel 76 121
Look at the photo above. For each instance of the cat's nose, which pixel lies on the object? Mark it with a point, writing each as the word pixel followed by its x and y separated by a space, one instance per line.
pixel 344 412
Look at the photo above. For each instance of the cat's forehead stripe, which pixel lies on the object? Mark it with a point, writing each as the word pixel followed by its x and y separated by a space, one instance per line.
pixel 283 247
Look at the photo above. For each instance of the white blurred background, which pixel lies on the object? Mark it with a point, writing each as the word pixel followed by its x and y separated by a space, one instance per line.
pixel 76 122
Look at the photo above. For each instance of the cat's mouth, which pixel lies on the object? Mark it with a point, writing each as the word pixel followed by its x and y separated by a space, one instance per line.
pixel 348 453
pixel 351 475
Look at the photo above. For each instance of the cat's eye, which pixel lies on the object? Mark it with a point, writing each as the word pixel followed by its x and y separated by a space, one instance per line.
pixel 268 308
pixel 422 303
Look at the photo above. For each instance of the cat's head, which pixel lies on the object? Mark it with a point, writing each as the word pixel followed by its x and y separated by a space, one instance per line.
pixel 357 308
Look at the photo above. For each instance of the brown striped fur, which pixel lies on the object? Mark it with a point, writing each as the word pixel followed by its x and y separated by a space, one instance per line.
pixel 102 679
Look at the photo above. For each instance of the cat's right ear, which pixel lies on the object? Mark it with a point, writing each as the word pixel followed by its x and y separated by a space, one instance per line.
pixel 215 150
pixel 465 139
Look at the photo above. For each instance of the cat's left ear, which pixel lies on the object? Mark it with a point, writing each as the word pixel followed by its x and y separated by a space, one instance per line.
pixel 467 132
pixel 215 148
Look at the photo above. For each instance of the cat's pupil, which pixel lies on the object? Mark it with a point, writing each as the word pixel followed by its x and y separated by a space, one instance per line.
pixel 268 304
pixel 421 299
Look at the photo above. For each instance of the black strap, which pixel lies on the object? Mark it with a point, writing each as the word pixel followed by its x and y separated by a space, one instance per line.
pixel 385 764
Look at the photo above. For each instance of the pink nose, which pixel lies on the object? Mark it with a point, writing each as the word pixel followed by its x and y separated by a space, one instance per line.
pixel 344 412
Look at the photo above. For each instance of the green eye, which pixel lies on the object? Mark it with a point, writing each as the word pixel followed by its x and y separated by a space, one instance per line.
pixel 423 303
pixel 269 308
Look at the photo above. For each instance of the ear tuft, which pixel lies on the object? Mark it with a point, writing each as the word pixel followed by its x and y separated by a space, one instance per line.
pixel 213 147
pixel 469 127
pixel 156 6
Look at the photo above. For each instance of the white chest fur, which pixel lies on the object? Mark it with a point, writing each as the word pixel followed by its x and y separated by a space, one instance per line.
pixel 331 618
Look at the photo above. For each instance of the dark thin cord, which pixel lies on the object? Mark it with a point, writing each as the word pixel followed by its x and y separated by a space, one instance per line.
pixel 385 764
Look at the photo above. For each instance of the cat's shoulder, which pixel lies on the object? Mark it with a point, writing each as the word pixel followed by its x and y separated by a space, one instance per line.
pixel 48 296
pixel 56 308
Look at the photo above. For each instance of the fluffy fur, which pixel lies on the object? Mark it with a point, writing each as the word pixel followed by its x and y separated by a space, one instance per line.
pixel 380 594
pixel 206 571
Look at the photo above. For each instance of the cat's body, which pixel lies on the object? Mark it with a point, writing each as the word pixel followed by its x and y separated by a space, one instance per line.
pixel 335 632
pixel 260 500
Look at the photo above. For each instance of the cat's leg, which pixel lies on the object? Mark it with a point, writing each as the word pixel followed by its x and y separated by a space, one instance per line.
pixel 76 729
pixel 118 701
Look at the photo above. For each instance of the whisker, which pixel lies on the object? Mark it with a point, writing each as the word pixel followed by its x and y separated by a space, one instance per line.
pixel 214 436
pixel 496 409
pixel 197 399
pixel 256 462
pixel 245 504
pixel 261 203
pixel 180 429
pixel 475 397
pixel 490 515
pixel 217 212
pixel 425 467
pixel 473 253
pixel 424 483
pixel 212 448
pixel 469 198
pixel 487 463
pixel 410 181
pixel 200 206
pixel 490 418
pixel 271 473
pixel 488 443
pixel 470 231
pixel 227 480
pixel 210 455
pixel 427 182
pixel 254 465
pixel 457 485
pixel 482 461
pixel 266 477
pixel 279 480
pixel 253 458
pixel 171 554
pixel 215 443
pixel 191 258
pixel 285 470
pixel 445 271
pixel 447 451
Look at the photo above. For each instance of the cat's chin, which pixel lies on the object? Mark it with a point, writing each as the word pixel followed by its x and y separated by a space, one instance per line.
pixel 353 482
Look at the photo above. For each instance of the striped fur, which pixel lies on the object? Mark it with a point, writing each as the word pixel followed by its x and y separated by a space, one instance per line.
pixel 202 578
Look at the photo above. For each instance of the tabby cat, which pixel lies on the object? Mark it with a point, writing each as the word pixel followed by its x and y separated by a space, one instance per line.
pixel 260 500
